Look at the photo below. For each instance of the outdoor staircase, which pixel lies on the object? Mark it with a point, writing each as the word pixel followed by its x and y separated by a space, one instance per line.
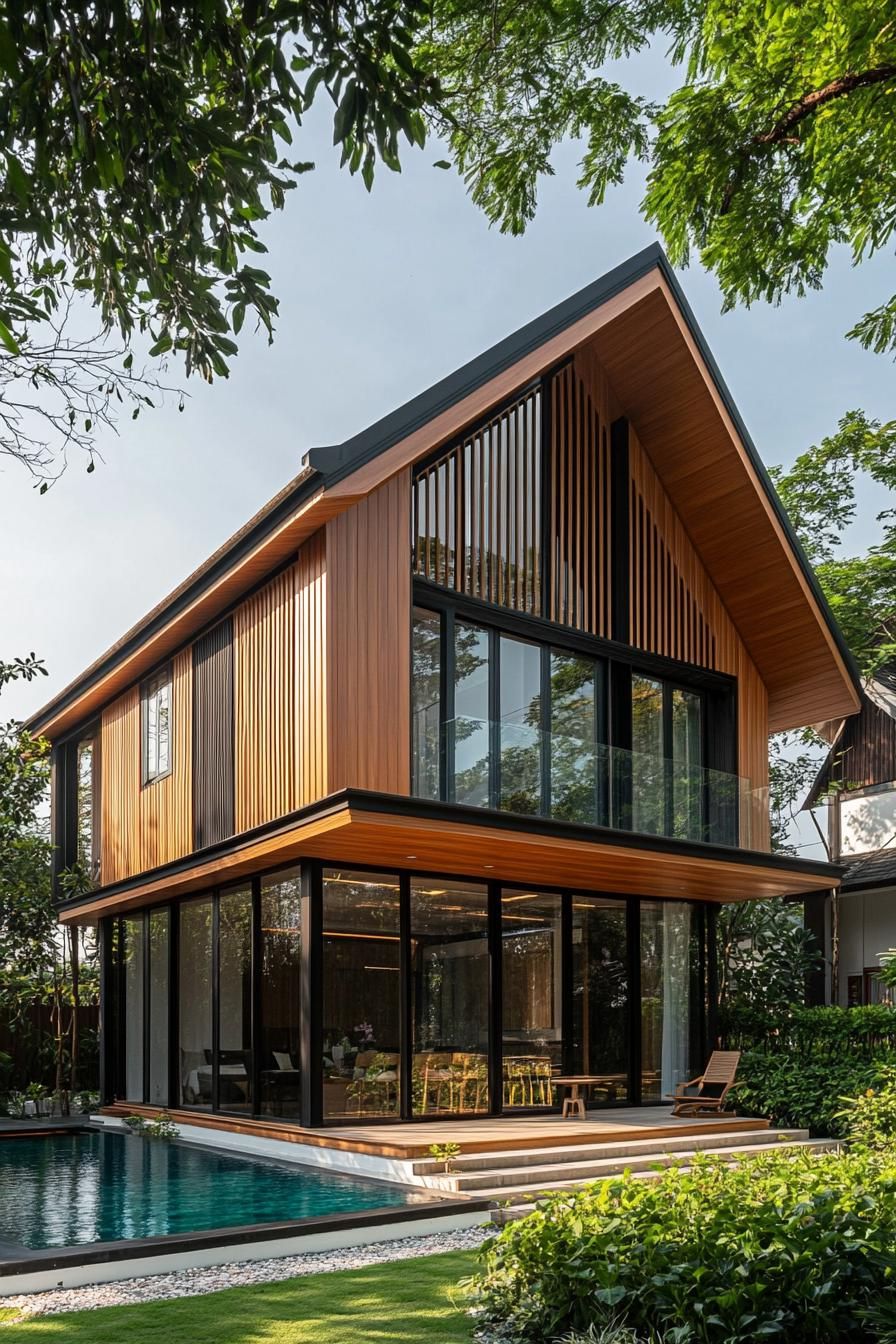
pixel 516 1179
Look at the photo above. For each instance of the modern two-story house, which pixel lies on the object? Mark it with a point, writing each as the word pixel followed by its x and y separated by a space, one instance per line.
pixel 431 780
pixel 855 793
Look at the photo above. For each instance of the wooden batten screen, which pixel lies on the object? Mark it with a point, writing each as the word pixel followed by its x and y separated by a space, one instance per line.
pixel 213 736
pixel 477 510
pixel 580 508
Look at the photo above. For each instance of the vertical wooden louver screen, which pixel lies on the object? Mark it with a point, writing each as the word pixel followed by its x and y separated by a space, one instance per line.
pixel 580 503
pixel 477 510
pixel 671 597
pixel 213 736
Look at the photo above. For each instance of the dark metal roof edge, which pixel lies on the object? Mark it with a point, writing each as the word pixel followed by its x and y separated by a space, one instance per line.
pixel 342 460
pixel 141 632
pixel 336 463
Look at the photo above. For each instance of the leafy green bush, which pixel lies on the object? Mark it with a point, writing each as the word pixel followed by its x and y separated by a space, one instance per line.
pixel 870 1118
pixel 869 1031
pixel 786 1246
pixel 804 1091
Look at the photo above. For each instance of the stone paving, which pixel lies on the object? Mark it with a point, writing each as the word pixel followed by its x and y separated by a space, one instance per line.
pixel 195 1282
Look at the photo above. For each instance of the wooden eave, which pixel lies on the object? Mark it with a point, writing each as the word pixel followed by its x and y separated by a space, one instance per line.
pixel 357 827
pixel 641 329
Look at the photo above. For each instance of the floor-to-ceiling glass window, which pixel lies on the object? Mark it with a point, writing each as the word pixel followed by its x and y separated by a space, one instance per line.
pixel 157 1001
pixel 577 773
pixel 600 995
pixel 666 997
pixel 361 1010
pixel 469 730
pixel 279 994
pixel 195 1002
pixel 687 764
pixel 235 1000
pixel 450 984
pixel 648 762
pixel 520 726
pixel 426 686
pixel 531 996
pixel 133 935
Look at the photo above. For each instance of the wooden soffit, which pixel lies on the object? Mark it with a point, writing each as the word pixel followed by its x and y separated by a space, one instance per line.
pixel 371 830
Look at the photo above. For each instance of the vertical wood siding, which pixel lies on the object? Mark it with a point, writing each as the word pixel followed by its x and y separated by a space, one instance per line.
pixel 675 610
pixel 368 621
pixel 143 827
pixel 279 677
pixel 581 524
pixel 213 735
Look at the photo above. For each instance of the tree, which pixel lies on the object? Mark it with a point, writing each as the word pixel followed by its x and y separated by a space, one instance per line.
pixel 142 146
pixel 37 964
pixel 774 148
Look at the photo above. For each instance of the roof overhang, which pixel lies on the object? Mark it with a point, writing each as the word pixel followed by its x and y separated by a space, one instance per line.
pixel 663 375
pixel 364 828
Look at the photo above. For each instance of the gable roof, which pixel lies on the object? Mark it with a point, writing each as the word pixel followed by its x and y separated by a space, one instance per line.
pixel 668 383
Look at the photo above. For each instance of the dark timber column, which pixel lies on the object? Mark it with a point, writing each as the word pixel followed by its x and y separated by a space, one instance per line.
pixel 814 921
pixel 213 736
pixel 64 809
pixel 619 507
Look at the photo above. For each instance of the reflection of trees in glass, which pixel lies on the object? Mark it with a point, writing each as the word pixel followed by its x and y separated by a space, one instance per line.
pixel 88 856
pixel 600 988
pixel 521 726
pixel 426 689
pixel 573 725
pixel 471 708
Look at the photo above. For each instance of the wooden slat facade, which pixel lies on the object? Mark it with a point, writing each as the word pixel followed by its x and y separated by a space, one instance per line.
pixel 279 692
pixel 144 826
pixel 581 520
pixel 676 610
pixel 369 641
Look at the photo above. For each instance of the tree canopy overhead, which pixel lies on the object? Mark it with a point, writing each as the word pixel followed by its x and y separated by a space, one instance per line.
pixel 777 145
pixel 142 142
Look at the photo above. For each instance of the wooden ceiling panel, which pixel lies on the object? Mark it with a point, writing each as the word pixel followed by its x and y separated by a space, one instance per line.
pixel 661 380
pixel 348 833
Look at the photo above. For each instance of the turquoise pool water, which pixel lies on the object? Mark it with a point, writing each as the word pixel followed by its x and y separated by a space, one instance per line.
pixel 74 1189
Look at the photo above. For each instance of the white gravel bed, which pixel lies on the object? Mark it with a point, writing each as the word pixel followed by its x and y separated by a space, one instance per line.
pixel 195 1282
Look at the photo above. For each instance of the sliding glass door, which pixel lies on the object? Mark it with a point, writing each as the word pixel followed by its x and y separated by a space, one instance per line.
pixel 531 997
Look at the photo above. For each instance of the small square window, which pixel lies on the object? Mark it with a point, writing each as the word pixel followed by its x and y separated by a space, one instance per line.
pixel 156 715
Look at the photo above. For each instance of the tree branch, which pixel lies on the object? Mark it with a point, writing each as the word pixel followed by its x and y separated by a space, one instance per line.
pixel 809 104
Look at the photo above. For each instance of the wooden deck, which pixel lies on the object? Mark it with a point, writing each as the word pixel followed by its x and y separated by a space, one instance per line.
pixel 409 1141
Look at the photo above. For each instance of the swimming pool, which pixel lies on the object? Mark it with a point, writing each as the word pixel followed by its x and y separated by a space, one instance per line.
pixel 84 1187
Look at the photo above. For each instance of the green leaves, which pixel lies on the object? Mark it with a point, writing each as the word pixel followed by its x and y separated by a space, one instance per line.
pixel 768 154
pixel 789 1246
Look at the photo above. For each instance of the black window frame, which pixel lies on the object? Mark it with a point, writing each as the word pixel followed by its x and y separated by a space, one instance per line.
pixel 150 687
pixel 613 722
pixel 703 1022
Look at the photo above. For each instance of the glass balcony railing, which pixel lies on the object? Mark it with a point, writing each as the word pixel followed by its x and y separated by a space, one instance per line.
pixel 521 769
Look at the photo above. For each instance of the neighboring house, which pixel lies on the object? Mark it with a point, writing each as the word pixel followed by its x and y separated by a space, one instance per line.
pixel 431 780
pixel 857 787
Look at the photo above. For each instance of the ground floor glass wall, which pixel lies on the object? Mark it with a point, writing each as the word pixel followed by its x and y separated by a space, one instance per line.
pixel 342 994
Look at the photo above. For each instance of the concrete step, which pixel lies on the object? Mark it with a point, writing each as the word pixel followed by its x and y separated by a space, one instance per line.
pixel 515 1202
pixel 512 1168
pixel 588 1151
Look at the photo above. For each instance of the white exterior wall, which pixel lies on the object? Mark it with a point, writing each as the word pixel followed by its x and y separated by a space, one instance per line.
pixel 867 928
pixel 868 820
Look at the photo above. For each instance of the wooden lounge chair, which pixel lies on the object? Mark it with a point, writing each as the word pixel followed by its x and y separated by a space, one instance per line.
pixel 706 1095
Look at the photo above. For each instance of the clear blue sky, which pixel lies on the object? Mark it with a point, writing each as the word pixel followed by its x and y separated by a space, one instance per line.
pixel 380 296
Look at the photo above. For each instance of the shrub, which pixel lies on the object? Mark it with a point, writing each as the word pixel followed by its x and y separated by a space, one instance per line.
pixel 786 1246
pixel 870 1119
pixel 803 1091
pixel 868 1031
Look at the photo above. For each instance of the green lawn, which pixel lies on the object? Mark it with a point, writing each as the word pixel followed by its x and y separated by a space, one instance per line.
pixel 402 1301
